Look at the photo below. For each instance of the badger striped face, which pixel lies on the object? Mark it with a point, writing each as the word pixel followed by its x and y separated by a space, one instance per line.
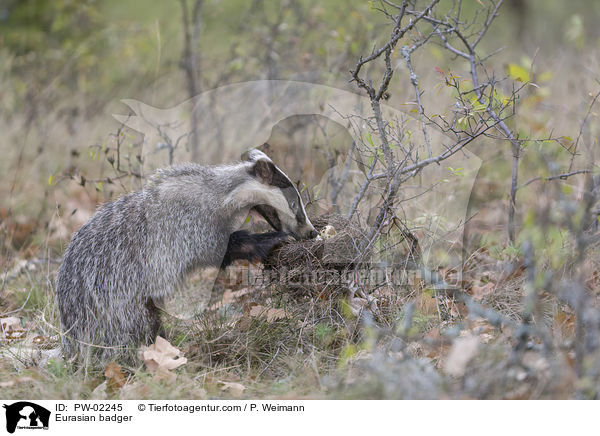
pixel 281 205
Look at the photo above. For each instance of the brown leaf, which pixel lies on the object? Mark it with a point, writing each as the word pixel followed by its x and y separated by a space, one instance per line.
pixel 564 322
pixel 436 345
pixel 162 357
pixel 10 328
pixel 10 323
pixel 229 297
pixel 115 377
pixel 427 304
pixel 236 389
pixel 457 309
pixel 254 310
pixel 479 292
pixel 270 313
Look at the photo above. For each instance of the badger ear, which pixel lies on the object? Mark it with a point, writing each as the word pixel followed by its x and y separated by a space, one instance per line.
pixel 264 170
pixel 253 155
pixel 246 156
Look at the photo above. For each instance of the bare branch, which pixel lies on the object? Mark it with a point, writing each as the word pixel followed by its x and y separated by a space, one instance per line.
pixel 563 176
pixel 583 123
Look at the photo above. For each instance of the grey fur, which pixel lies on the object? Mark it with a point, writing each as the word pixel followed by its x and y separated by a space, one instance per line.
pixel 141 247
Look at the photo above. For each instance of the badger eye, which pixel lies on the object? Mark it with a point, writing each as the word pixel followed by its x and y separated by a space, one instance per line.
pixel 293 204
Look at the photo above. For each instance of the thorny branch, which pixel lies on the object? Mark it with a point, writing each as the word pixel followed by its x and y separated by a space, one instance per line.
pixel 563 176
pixel 397 171
pixel 583 123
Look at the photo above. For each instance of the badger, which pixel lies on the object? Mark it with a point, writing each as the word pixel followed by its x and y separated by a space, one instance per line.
pixel 139 248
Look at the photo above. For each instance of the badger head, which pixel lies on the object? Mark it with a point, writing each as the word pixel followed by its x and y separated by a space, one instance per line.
pixel 280 205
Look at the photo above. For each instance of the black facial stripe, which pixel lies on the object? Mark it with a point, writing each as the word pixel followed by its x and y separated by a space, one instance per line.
pixel 269 214
pixel 281 180
pixel 300 217
pixel 291 194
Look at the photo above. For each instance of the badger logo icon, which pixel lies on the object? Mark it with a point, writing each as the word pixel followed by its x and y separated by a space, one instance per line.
pixel 26 415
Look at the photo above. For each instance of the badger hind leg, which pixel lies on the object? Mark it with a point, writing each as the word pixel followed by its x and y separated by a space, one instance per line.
pixel 114 333
pixel 253 247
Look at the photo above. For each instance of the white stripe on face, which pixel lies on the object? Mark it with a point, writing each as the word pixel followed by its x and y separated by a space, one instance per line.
pixel 253 193
pixel 284 183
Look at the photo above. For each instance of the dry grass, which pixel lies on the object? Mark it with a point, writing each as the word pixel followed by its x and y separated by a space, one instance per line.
pixel 290 344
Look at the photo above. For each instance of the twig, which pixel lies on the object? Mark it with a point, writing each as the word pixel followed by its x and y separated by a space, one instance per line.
pixel 563 176
pixel 583 123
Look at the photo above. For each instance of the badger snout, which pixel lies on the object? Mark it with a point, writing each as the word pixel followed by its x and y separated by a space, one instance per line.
pixel 306 232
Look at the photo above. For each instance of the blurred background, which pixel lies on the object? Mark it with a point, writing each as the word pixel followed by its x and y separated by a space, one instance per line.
pixel 66 64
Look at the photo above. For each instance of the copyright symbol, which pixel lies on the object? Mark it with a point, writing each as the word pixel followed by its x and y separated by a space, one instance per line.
pixel 141 407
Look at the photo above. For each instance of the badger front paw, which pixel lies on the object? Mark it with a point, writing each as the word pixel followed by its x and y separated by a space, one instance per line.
pixel 253 247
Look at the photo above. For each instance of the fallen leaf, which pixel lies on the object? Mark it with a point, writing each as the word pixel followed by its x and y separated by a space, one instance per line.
pixel 436 346
pixel 564 322
pixel 462 351
pixel 115 377
pixel 10 328
pixel 236 389
pixel 229 297
pixel 457 309
pixel 162 357
pixel 427 304
pixel 10 323
pixel 270 313
pixel 479 292
pixel 357 305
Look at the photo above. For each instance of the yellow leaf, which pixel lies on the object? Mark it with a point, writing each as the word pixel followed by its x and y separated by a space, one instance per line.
pixel 517 72
pixel 565 141
pixel 544 77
